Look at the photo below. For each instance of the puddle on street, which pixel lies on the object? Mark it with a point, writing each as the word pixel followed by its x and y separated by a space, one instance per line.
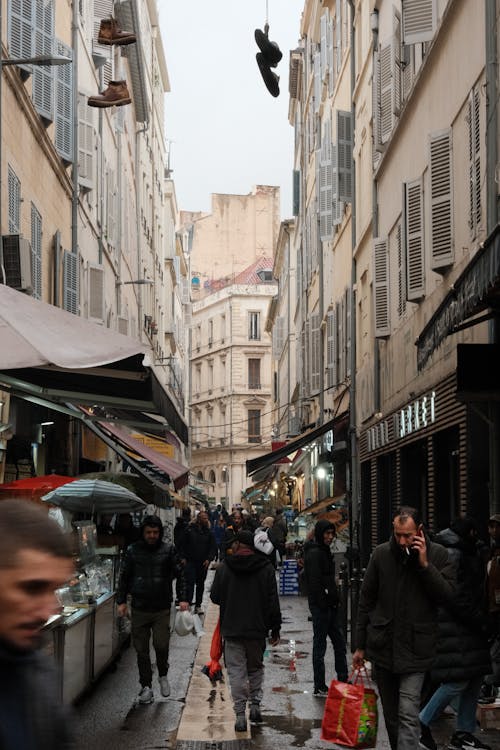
pixel 289 691
pixel 299 729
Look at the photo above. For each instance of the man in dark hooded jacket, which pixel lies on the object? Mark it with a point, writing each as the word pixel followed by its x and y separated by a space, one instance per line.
pixel 148 568
pixel 323 598
pixel 245 589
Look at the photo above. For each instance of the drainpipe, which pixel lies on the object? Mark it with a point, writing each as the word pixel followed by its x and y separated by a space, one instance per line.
pixel 140 322
pixel 74 166
pixel 376 344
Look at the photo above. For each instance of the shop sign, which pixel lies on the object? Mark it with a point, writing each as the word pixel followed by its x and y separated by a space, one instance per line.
pixel 414 417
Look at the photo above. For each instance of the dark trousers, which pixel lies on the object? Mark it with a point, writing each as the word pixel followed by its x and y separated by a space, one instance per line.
pixel 143 625
pixel 195 573
pixel 325 624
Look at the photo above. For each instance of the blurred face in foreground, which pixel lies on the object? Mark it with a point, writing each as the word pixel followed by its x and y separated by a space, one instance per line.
pixel 151 535
pixel 27 598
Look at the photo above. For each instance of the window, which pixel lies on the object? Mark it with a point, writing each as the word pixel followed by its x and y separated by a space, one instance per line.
pixel 210 376
pixel 222 328
pixel 63 104
pixel 71 282
pixel 36 252
pixel 254 373
pixel 474 161
pixel 210 332
pixel 254 326
pixel 414 234
pixel 381 286
pixel 254 435
pixel 14 202
pixel 197 379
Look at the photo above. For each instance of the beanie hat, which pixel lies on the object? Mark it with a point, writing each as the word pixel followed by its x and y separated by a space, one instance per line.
pixel 245 537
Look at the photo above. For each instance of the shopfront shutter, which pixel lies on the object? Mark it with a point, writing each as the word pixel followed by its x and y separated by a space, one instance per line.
pixel 414 233
pixel 441 183
pixel 419 20
pixel 43 76
pixel 381 287
pixel 63 105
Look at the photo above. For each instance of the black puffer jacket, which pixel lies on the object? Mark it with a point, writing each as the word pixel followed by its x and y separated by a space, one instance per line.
pixel 398 606
pixel 319 570
pixel 147 573
pixel 198 543
pixel 462 648
pixel 245 589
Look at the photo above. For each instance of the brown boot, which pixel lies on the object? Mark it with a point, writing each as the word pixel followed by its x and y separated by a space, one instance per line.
pixel 111 33
pixel 116 95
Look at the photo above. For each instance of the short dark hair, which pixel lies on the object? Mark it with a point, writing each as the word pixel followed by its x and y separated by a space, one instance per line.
pixel 24 525
pixel 406 511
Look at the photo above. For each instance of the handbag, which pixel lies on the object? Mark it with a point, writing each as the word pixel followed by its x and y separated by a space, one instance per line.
pixel 351 714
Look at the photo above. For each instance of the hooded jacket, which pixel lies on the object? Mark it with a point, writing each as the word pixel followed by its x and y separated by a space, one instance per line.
pixel 147 572
pixel 462 648
pixel 319 570
pixel 398 606
pixel 245 589
pixel 198 543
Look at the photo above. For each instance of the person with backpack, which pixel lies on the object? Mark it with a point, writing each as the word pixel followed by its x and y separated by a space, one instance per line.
pixel 262 538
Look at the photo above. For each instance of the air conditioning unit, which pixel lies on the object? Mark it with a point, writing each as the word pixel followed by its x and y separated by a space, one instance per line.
pixel 17 262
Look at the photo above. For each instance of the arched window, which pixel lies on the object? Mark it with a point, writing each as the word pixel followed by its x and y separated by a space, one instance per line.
pixel 211 476
pixel 199 475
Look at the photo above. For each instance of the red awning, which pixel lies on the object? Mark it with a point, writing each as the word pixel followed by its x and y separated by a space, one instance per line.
pixel 178 473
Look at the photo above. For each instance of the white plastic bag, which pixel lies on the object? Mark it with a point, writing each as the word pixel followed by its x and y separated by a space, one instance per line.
pixel 184 622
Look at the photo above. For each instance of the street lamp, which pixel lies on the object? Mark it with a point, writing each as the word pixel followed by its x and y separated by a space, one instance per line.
pixel 37 60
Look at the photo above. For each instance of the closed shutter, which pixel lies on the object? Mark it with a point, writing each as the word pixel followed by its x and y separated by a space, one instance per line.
pixel 63 105
pixel 344 156
pixel 397 82
pixel 331 350
pixel 296 192
pixel 96 293
pixel 376 109
pixel 337 205
pixel 348 312
pixel 317 81
pixel 315 353
pixel 86 144
pixel 21 29
pixel 43 76
pixel 442 248
pixel 414 233
pixel 402 294
pixel 419 20
pixel 36 252
pixel 325 184
pixel 14 189
pixel 386 95
pixel 474 162
pixel 331 57
pixel 103 9
pixel 71 282
pixel 381 287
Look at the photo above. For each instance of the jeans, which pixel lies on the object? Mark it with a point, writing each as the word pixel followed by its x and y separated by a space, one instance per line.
pixel 195 574
pixel 245 669
pixel 143 624
pixel 325 624
pixel 466 692
pixel 400 696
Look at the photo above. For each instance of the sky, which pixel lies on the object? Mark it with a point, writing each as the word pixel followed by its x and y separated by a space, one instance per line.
pixel 226 132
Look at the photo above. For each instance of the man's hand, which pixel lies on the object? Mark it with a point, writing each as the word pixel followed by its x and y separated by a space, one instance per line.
pixel 419 543
pixel 275 638
pixel 122 610
pixel 206 563
pixel 183 606
pixel 358 658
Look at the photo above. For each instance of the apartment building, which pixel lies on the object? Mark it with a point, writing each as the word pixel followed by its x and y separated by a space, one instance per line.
pixel 88 211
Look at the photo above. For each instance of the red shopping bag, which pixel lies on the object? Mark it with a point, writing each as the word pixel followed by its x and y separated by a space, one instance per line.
pixel 351 716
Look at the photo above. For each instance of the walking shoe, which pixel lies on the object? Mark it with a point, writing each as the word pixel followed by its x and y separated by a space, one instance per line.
pixel 321 692
pixel 116 95
pixel 111 33
pixel 270 79
pixel 466 740
pixel 426 738
pixel 271 51
pixel 146 695
pixel 240 725
pixel 255 714
pixel 164 685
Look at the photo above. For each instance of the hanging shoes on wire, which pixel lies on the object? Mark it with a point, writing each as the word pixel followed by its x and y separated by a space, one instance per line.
pixel 117 93
pixel 111 33
pixel 268 57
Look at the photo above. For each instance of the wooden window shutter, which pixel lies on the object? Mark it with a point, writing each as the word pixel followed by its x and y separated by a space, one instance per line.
pixel 14 190
pixel 381 287
pixel 21 30
pixel 43 76
pixel 348 312
pixel 474 161
pixel 331 350
pixel 96 292
pixel 86 144
pixel 71 282
pixel 323 24
pixel 63 104
pixel 36 252
pixel 307 358
pixel 376 109
pixel 331 57
pixel 337 205
pixel 386 92
pixel 325 184
pixel 402 293
pixel 317 81
pixel 414 234
pixel 296 192
pixel 397 83
pixel 344 156
pixel 441 184
pixel 315 353
pixel 419 20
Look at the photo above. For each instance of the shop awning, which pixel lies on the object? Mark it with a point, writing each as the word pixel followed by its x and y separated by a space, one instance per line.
pixel 323 504
pixel 475 290
pixel 167 466
pixel 261 462
pixel 49 354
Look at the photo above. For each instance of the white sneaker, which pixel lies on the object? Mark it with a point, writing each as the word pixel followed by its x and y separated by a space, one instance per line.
pixel 164 686
pixel 146 695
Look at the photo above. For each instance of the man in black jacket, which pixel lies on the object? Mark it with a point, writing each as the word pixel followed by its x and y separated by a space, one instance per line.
pixel 406 580
pixel 35 559
pixel 197 549
pixel 245 589
pixel 323 598
pixel 148 568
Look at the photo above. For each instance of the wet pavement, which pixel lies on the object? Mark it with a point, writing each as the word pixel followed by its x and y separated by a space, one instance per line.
pixel 199 716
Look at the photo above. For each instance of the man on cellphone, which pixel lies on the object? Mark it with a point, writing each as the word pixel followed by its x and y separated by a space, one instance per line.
pixel 406 580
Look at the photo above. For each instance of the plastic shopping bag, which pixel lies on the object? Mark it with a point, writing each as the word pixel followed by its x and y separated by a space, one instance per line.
pixel 351 715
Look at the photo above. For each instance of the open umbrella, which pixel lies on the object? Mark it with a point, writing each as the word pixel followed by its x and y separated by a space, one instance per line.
pixel 137 484
pixel 94 496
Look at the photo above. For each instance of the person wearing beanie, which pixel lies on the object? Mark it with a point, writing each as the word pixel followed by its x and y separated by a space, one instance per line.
pixel 245 589
pixel 147 571
pixel 323 599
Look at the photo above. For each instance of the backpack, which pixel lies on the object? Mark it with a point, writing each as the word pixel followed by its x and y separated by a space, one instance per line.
pixel 261 541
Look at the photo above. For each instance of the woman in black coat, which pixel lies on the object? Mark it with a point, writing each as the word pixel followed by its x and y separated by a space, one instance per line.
pixel 462 656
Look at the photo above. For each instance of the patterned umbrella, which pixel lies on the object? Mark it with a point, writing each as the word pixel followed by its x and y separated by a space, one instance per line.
pixel 94 496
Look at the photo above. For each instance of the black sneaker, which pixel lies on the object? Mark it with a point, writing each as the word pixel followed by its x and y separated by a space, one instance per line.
pixel 240 725
pixel 465 741
pixel 426 739
pixel 321 692
pixel 255 714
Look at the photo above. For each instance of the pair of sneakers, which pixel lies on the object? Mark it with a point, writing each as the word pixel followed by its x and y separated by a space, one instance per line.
pixel 146 694
pixel 241 719
pixel 459 741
